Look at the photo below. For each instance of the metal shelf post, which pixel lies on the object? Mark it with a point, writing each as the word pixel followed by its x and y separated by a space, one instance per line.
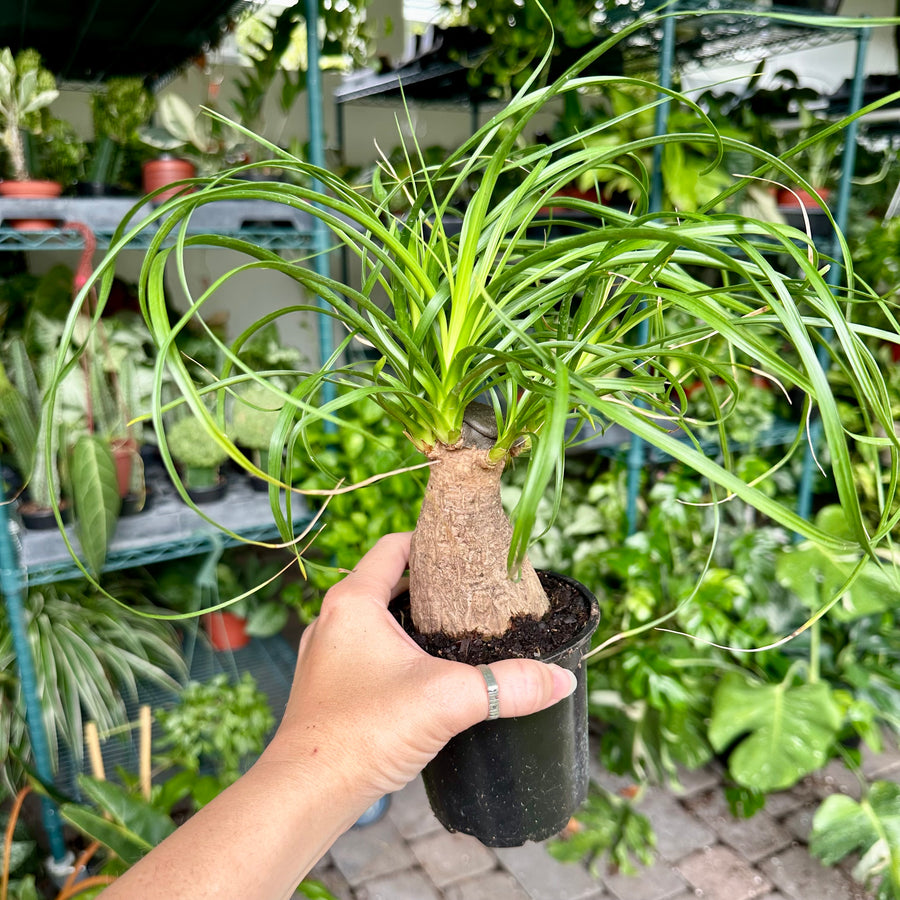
pixel 835 273
pixel 321 261
pixel 13 591
pixel 635 462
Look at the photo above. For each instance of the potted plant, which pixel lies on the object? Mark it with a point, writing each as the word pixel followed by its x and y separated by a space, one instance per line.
pixel 493 341
pixel 26 89
pixel 118 112
pixel 183 128
pixel 200 456
pixel 219 722
pixel 118 376
pixel 259 595
pixel 817 160
pixel 254 415
pixel 33 441
pixel 94 650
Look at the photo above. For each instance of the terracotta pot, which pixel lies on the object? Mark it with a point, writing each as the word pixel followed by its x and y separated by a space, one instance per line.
pixel 160 172
pixel 226 630
pixel 31 190
pixel 797 198
pixel 124 451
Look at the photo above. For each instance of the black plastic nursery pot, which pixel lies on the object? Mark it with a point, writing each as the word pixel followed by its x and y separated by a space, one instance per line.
pixel 42 518
pixel 515 780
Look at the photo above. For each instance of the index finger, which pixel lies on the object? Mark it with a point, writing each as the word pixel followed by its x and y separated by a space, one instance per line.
pixel 378 572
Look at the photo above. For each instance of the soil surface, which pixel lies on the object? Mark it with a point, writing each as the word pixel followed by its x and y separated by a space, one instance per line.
pixel 527 638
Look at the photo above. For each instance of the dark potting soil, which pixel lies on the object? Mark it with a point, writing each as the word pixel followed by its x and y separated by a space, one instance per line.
pixel 527 637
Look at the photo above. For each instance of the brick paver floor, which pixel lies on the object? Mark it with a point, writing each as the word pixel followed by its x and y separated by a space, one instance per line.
pixel 702 851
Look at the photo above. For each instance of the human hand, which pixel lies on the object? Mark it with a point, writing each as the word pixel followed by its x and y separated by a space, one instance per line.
pixel 372 706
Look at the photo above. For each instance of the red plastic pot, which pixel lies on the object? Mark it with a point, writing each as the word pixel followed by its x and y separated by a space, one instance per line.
pixel 226 631
pixel 124 450
pixel 798 198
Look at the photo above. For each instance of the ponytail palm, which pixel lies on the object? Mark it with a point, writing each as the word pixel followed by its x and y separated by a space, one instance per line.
pixel 495 338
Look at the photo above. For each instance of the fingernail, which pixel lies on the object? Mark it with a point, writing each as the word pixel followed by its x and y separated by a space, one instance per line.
pixel 564 681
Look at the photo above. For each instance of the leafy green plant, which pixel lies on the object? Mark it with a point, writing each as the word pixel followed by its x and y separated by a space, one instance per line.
pixel 651 693
pixel 123 822
pixel 34 304
pixel 692 172
pixel 817 577
pixel 219 723
pixel 870 827
pixel 512 37
pixel 817 163
pixel 110 370
pixel 33 440
pixel 197 450
pixel 26 88
pixel 354 521
pixel 596 325
pixel 118 111
pixel 270 45
pixel 57 152
pixel 263 598
pixel 762 102
pixel 90 653
pixel 95 497
pixel 253 420
pixel 607 826
pixel 184 128
pixel 875 251
pixel 785 731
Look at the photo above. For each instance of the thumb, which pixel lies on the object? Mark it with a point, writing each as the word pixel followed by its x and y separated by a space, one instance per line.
pixel 527 686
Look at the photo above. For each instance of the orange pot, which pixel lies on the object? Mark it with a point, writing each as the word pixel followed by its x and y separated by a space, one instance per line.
pixel 797 198
pixel 36 189
pixel 226 630
pixel 160 172
pixel 124 451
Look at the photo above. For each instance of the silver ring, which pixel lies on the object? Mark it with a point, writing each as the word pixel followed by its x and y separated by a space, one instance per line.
pixel 493 693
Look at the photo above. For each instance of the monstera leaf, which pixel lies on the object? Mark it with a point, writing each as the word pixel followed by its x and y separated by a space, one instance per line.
pixel 788 730
pixel 817 576
pixel 871 827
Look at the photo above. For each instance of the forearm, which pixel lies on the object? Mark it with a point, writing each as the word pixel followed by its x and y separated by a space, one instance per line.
pixel 287 815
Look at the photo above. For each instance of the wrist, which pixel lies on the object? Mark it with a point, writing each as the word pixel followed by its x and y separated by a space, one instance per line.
pixel 316 771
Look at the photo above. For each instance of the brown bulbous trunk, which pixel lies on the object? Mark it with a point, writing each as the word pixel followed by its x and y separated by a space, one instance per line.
pixel 459 582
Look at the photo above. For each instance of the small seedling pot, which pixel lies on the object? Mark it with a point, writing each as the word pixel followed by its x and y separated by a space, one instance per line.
pixel 515 780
